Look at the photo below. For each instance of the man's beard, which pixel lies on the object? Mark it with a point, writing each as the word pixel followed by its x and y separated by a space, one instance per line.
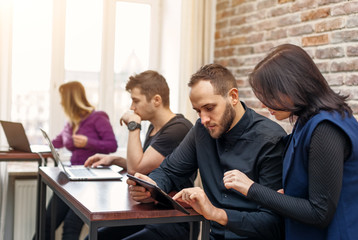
pixel 225 122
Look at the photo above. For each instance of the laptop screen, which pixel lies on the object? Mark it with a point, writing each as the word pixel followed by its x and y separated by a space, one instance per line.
pixel 16 136
pixel 53 151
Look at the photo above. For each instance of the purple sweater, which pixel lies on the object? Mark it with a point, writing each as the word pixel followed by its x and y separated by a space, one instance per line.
pixel 100 136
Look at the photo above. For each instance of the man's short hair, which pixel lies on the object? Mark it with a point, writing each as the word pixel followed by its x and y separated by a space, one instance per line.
pixel 150 83
pixel 219 76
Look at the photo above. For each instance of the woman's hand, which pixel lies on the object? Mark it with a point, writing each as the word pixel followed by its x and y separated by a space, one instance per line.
pixel 238 181
pixel 79 141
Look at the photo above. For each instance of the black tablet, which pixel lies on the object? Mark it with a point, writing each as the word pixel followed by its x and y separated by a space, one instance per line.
pixel 158 194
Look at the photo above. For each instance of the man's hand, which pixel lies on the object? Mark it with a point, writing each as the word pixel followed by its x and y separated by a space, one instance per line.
pixel 128 117
pixel 99 160
pixel 139 193
pixel 238 181
pixel 198 200
pixel 79 141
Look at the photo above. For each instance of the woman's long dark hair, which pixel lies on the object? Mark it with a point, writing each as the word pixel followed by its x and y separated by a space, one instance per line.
pixel 288 80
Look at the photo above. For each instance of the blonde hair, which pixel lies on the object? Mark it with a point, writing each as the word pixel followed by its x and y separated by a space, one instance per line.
pixel 74 101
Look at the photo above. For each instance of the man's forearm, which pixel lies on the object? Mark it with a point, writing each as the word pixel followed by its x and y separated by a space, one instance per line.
pixel 134 151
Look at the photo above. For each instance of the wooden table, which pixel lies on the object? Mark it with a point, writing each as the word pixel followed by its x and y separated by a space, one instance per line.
pixel 17 156
pixel 106 204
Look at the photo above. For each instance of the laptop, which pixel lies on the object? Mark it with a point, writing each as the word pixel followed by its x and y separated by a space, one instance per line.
pixel 17 139
pixel 82 173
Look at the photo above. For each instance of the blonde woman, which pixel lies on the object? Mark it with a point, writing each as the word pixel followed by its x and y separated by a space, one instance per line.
pixel 86 133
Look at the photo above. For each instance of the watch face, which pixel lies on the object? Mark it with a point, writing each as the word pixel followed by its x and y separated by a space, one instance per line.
pixel 133 125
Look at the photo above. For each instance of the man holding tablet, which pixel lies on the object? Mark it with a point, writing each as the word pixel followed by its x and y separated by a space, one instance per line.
pixel 228 135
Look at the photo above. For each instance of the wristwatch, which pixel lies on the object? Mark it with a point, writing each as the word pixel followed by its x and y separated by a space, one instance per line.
pixel 132 125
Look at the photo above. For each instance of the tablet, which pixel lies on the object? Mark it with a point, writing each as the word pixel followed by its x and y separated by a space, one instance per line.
pixel 158 194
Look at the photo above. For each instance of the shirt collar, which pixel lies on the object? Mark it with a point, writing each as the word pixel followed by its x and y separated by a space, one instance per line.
pixel 241 126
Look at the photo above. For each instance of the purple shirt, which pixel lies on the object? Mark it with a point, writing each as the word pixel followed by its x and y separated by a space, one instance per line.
pixel 100 136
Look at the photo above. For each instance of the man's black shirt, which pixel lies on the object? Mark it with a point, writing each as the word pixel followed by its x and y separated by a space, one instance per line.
pixel 252 146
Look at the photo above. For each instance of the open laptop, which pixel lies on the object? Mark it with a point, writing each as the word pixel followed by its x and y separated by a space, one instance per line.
pixel 17 139
pixel 81 173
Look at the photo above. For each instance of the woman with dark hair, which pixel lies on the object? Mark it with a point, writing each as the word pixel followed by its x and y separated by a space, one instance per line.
pixel 319 199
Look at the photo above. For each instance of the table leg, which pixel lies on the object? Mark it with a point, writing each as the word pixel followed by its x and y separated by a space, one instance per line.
pixel 92 233
pixel 205 232
pixel 41 213
pixel 53 216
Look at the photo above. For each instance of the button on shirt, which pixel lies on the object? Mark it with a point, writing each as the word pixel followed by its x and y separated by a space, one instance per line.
pixel 252 146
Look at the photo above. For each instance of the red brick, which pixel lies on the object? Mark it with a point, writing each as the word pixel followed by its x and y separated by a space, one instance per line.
pixel 345 9
pixel 263 48
pixel 344 36
pixel 315 14
pixel 330 52
pixel 245 8
pixel 237 2
pixel 266 25
pixel 227 52
pixel 347 65
pixel 241 30
pixel 224 14
pixel 222 24
pixel 334 80
pixel 352 22
pixel 276 34
pixel 352 80
pixel 242 83
pixel 262 5
pixel 246 93
pixel 300 30
pixel 221 43
pixel 238 20
pixel 243 71
pixel 278 11
pixel 222 62
pixel 253 103
pixel 330 25
pixel 323 67
pixel 285 1
pixel 354 107
pixel 244 50
pixel 326 2
pixel 219 53
pixel 352 51
pixel 290 19
pixel 254 38
pixel 222 5
pixel 315 40
pixel 351 92
pixel 254 18
pixel 302 5
pixel 237 41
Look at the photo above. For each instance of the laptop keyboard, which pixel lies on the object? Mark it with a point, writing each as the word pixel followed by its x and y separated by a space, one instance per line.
pixel 81 172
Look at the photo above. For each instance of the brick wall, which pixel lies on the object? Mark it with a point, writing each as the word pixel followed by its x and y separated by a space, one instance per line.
pixel 327 29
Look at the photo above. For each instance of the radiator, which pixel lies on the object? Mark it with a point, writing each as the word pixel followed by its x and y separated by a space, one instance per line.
pixel 25 209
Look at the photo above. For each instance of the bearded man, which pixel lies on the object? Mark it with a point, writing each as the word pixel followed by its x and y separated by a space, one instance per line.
pixel 228 135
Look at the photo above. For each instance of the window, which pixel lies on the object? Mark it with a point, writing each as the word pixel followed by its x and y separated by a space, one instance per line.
pixel 83 42
pixel 131 55
pixel 30 74
pixel 100 47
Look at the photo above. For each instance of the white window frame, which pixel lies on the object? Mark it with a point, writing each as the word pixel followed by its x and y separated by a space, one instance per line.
pixel 106 93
